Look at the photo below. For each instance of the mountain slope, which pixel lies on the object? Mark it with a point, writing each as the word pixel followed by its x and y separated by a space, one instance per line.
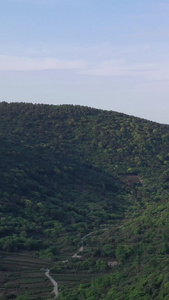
pixel 70 170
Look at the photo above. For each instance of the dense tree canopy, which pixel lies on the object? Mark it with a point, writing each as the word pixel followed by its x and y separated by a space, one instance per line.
pixel 69 170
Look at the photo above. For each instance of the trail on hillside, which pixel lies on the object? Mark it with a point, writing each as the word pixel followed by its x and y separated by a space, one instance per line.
pixel 55 289
pixel 76 255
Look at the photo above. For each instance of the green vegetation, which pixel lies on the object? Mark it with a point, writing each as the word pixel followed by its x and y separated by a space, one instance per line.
pixel 67 171
pixel 24 273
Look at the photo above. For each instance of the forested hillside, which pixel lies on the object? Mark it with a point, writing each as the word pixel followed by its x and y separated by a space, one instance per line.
pixel 68 171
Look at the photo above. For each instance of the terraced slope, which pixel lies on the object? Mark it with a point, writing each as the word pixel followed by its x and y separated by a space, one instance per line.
pixel 22 274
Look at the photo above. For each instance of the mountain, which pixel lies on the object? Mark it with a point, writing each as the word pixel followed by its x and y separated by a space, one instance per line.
pixel 71 171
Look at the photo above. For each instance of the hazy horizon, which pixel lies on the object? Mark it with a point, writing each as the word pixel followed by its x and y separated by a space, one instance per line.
pixel 111 55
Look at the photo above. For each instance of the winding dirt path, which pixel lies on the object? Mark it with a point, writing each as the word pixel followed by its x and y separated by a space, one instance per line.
pixel 55 289
pixel 76 255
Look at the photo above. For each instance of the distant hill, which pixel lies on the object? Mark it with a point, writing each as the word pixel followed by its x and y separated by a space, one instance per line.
pixel 70 170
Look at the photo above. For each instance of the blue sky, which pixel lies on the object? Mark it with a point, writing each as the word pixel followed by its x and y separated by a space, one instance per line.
pixel 108 54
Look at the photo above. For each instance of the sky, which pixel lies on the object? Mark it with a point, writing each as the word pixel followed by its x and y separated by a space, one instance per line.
pixel 107 54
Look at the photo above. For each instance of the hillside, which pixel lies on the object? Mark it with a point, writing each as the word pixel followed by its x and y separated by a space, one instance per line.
pixel 67 171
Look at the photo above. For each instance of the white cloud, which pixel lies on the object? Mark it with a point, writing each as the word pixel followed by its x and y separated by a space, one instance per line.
pixel 116 68
pixel 13 63
pixel 106 68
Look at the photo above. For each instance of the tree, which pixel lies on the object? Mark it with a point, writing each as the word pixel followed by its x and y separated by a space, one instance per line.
pixel 123 252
